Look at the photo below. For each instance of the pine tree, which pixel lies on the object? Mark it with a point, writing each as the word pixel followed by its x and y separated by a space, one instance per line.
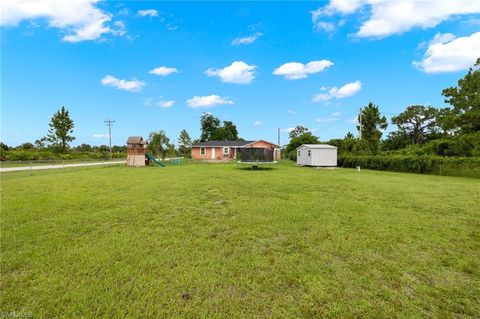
pixel 61 126
pixel 417 121
pixel 465 99
pixel 372 125
pixel 184 143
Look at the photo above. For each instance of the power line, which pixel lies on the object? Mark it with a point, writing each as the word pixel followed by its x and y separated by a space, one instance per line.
pixel 340 120
pixel 109 123
pixel 359 121
pixel 337 122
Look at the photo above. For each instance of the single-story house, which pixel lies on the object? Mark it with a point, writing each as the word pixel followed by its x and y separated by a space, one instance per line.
pixel 227 150
pixel 317 155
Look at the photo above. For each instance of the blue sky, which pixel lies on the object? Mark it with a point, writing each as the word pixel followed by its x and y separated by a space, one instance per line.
pixel 262 65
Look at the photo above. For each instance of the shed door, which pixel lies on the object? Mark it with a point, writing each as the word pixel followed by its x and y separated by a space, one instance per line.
pixel 213 152
pixel 302 157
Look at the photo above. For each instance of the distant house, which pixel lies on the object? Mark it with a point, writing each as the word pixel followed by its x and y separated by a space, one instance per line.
pixel 227 150
pixel 317 155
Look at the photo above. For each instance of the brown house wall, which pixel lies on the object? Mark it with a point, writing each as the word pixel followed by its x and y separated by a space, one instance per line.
pixel 208 154
pixel 219 151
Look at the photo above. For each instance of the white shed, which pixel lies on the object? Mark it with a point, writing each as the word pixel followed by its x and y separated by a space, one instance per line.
pixel 317 155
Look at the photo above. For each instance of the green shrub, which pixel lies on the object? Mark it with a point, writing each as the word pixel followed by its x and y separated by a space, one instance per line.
pixel 450 147
pixel 454 166
pixel 292 155
pixel 464 145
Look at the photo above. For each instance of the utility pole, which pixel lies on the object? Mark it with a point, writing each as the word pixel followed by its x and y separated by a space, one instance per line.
pixel 360 124
pixel 109 123
pixel 278 138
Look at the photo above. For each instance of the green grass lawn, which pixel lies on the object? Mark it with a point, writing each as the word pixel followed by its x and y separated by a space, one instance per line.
pixel 212 241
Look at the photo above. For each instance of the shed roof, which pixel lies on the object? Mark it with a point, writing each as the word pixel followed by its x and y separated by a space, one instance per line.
pixel 135 140
pixel 318 146
pixel 222 143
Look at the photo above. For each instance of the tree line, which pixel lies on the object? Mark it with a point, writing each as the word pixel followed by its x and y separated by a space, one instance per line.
pixel 420 129
pixel 60 134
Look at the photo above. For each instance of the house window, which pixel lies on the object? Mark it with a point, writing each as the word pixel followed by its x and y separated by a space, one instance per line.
pixel 308 152
pixel 298 153
pixel 203 151
pixel 225 150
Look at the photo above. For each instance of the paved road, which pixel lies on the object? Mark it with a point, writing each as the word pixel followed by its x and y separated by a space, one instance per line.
pixel 27 168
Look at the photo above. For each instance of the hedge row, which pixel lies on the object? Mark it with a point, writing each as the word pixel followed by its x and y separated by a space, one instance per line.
pixel 453 166
pixel 31 155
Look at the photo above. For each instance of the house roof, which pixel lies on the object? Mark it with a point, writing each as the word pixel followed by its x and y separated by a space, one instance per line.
pixel 222 143
pixel 261 141
pixel 318 146
pixel 135 140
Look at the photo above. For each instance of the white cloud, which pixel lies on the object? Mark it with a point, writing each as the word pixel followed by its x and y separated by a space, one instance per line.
pixel 166 104
pixel 326 120
pixel 322 14
pixel 100 135
pixel 296 70
pixel 132 85
pixel 291 112
pixel 398 17
pixel 149 101
pixel 341 6
pixel 247 40
pixel 120 29
pixel 347 90
pixel 386 17
pixel 163 71
pixel 148 13
pixel 446 53
pixel 80 20
pixel 336 114
pixel 171 26
pixel 287 130
pixel 257 123
pixel 208 101
pixel 353 120
pixel 325 26
pixel 238 72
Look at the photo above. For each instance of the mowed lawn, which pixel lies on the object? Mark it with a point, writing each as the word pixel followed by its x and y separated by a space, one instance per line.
pixel 213 241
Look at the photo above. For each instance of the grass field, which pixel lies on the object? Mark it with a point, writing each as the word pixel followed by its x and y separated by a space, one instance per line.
pixel 209 240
